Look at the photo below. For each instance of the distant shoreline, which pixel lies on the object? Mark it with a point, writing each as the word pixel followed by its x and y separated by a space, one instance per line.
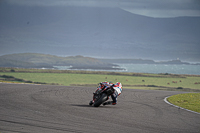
pixel 45 61
pixel 145 61
pixel 143 68
pixel 94 68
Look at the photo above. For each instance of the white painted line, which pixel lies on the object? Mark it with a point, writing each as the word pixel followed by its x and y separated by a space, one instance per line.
pixel 179 107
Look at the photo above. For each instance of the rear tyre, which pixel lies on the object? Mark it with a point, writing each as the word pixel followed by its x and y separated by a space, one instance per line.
pixel 100 100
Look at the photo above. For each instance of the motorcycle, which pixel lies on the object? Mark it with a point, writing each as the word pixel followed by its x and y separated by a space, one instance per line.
pixel 101 95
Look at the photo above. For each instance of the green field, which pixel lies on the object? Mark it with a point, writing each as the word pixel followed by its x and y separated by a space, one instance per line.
pixel 189 101
pixel 87 78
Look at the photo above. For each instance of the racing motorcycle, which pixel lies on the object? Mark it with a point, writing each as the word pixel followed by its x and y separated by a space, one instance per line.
pixel 101 95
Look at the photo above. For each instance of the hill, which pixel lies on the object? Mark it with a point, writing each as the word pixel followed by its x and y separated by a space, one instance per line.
pixel 34 60
pixel 97 32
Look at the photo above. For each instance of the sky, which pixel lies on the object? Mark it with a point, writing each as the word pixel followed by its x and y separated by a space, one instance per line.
pixel 150 8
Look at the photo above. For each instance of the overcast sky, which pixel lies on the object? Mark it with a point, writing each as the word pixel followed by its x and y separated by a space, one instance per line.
pixel 151 8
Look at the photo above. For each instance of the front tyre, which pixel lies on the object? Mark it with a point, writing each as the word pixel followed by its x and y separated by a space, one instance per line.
pixel 102 99
pixel 90 103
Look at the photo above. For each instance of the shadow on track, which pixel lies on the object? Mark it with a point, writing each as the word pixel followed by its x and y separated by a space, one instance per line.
pixel 78 105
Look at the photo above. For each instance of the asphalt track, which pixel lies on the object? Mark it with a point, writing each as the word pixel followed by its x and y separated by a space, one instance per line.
pixel 61 109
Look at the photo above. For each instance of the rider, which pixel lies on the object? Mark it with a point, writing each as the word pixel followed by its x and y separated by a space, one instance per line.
pixel 117 91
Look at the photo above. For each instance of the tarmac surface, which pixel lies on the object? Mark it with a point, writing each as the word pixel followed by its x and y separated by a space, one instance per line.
pixel 62 109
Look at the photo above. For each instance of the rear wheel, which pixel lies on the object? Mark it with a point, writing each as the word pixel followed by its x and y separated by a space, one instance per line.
pixel 102 99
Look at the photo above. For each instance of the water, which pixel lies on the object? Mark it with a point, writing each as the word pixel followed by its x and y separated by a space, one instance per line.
pixel 151 68
pixel 158 68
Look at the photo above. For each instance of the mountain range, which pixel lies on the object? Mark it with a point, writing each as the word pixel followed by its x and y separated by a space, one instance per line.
pixel 97 32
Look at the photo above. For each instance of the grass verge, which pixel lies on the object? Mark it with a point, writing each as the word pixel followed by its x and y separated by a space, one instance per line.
pixel 92 78
pixel 189 101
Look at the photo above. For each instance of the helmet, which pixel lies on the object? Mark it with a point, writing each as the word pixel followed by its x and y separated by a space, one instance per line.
pixel 118 84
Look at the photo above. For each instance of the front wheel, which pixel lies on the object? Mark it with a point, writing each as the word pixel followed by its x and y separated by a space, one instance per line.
pixel 102 99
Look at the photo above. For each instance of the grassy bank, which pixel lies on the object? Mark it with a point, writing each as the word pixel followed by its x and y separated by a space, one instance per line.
pixel 92 78
pixel 189 101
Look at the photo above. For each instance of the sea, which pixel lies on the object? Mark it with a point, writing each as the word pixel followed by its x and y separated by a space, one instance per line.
pixel 150 68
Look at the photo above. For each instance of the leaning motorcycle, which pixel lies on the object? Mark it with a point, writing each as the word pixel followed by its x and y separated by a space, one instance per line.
pixel 100 96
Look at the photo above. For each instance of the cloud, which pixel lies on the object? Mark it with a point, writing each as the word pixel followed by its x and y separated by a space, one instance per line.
pixel 158 8
pixel 160 13
pixel 152 8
